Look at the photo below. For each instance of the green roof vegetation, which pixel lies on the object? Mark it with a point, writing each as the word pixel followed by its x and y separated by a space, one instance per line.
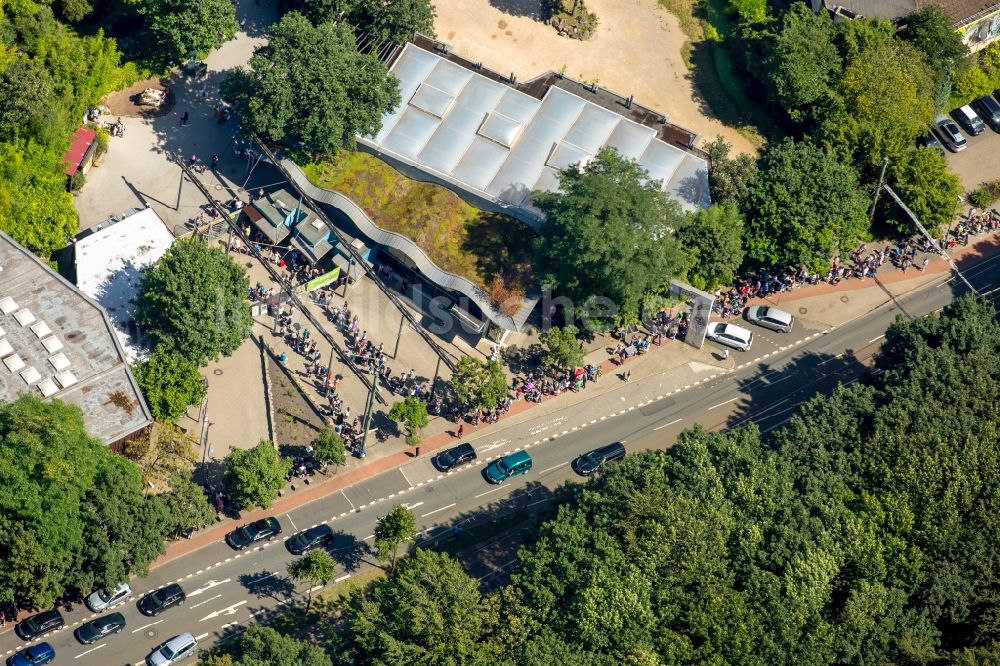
pixel 491 250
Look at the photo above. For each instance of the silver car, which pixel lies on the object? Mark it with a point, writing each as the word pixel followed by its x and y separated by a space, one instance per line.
pixel 101 600
pixel 768 317
pixel 176 649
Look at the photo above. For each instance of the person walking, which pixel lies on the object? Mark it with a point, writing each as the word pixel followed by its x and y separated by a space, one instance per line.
pixel 628 375
pixel 184 118
pixel 460 431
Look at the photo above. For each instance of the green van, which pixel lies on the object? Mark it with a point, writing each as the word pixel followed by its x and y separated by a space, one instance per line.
pixel 504 468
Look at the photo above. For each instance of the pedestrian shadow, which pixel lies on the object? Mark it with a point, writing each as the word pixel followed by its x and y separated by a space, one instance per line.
pixel 268 584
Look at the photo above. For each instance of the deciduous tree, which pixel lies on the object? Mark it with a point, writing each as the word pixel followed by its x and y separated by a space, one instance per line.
pixel 170 383
pixel 314 568
pixel 328 447
pixel 412 412
pixel 193 302
pixel 186 505
pixel 254 476
pixel 479 384
pixel 563 350
pixel 178 28
pixel 259 645
pixel 397 527
pixel 714 238
pixel 928 187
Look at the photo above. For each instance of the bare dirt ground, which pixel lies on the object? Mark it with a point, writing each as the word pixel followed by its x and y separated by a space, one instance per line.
pixel 637 50
pixel 124 102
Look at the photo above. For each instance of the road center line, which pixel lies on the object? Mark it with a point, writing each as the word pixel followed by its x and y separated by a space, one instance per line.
pixel 876 339
pixel 723 403
pixel 488 492
pixel 411 507
pixel 667 424
pixel 431 513
pixel 90 650
pixel 198 638
pixel 146 626
pixel 555 467
pixel 202 603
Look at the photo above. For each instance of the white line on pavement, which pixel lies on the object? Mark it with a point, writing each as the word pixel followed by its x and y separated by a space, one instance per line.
pixel 146 626
pixel 202 603
pixel 666 424
pixel 342 578
pixel 876 339
pixel 263 578
pixel 201 636
pixel 723 403
pixel 555 467
pixel 488 492
pixel 411 507
pixel 431 513
pixel 348 499
pixel 90 650
pixel 289 516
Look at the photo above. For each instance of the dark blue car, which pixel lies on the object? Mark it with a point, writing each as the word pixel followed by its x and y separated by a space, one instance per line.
pixel 33 656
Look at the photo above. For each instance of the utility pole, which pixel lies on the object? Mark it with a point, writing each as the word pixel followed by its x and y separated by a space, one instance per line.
pixel 878 190
pixel 366 423
pixel 930 238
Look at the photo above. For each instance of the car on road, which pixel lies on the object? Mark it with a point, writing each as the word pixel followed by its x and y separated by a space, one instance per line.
pixel 453 457
pixel 730 335
pixel 950 135
pixel 320 536
pixel 36 625
pixel 33 656
pixel 968 119
pixel 509 466
pixel 95 630
pixel 259 530
pixel 590 462
pixel 176 649
pixel 101 600
pixel 768 317
pixel 162 599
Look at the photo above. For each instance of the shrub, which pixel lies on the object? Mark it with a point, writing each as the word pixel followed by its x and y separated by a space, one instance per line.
pixel 982 197
pixel 77 181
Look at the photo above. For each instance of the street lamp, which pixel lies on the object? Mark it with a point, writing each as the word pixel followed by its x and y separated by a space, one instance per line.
pixel 366 422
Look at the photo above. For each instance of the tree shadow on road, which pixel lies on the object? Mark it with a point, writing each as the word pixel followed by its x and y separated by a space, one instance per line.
pixel 268 584
pixel 349 552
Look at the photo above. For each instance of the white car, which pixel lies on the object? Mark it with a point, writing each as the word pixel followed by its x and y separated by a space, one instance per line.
pixel 176 649
pixel 730 335
pixel 101 600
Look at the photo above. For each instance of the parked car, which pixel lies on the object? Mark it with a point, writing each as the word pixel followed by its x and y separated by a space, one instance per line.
pixel 33 656
pixel 36 625
pixel 730 335
pixel 512 465
pixel 590 462
pixel 930 141
pixel 176 649
pixel 989 110
pixel 768 317
pixel 95 630
pixel 100 600
pixel 259 530
pixel 162 599
pixel 950 135
pixel 968 119
pixel 452 458
pixel 310 539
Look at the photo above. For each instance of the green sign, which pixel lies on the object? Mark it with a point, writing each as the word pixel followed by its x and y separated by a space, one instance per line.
pixel 323 280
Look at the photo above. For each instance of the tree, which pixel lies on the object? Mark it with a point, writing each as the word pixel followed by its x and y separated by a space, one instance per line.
pixel 178 28
pixel 254 476
pixel 72 513
pixel 193 302
pixel 397 527
pixel 314 568
pixel 563 349
pixel 931 31
pixel 394 20
pixel 804 62
pixel 428 612
pixel 26 99
pixel 186 505
pixel 714 238
pixel 311 84
pixel 803 208
pixel 328 447
pixel 170 383
pixel 479 384
pixel 928 187
pixel 729 178
pixel 263 645
pixel 609 235
pixel 413 412
pixel 970 84
pixel 163 450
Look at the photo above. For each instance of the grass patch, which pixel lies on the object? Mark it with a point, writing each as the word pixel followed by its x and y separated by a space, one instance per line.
pixel 458 237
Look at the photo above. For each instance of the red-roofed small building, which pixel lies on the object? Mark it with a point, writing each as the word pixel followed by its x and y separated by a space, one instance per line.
pixel 80 155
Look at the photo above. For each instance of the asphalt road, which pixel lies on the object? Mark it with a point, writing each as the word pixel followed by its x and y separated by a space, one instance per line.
pixel 227 589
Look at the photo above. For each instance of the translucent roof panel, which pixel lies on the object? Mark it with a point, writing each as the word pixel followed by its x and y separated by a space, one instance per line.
pixel 59 361
pixel 5 348
pixel 7 305
pixel 52 344
pixel 13 362
pixel 24 317
pixel 41 329
pixel 66 379
pixel 501 129
pixel 30 375
pixel 486 137
pixel 47 387
pixel 431 100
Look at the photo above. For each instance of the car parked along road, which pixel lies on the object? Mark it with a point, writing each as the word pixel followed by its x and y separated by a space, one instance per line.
pixel 259 530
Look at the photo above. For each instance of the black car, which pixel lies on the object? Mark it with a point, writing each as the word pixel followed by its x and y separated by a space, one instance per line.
pixel 36 625
pixel 589 463
pixel 452 458
pixel 259 530
pixel 164 598
pixel 314 537
pixel 95 630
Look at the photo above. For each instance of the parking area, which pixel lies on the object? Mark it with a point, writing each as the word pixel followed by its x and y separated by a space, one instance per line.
pixel 979 162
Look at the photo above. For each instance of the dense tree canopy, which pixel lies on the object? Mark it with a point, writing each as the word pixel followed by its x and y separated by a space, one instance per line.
pixel 411 412
pixel 170 383
pixel 609 233
pixel 254 476
pixel 562 349
pixel 193 302
pixel 929 188
pixel 311 84
pixel 803 207
pixel 72 513
pixel 713 237
pixel 260 645
pixel 391 20
pixel 178 28
pixel 479 384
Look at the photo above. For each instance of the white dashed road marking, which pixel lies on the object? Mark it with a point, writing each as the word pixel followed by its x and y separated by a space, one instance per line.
pixel 667 424
pixel 431 513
